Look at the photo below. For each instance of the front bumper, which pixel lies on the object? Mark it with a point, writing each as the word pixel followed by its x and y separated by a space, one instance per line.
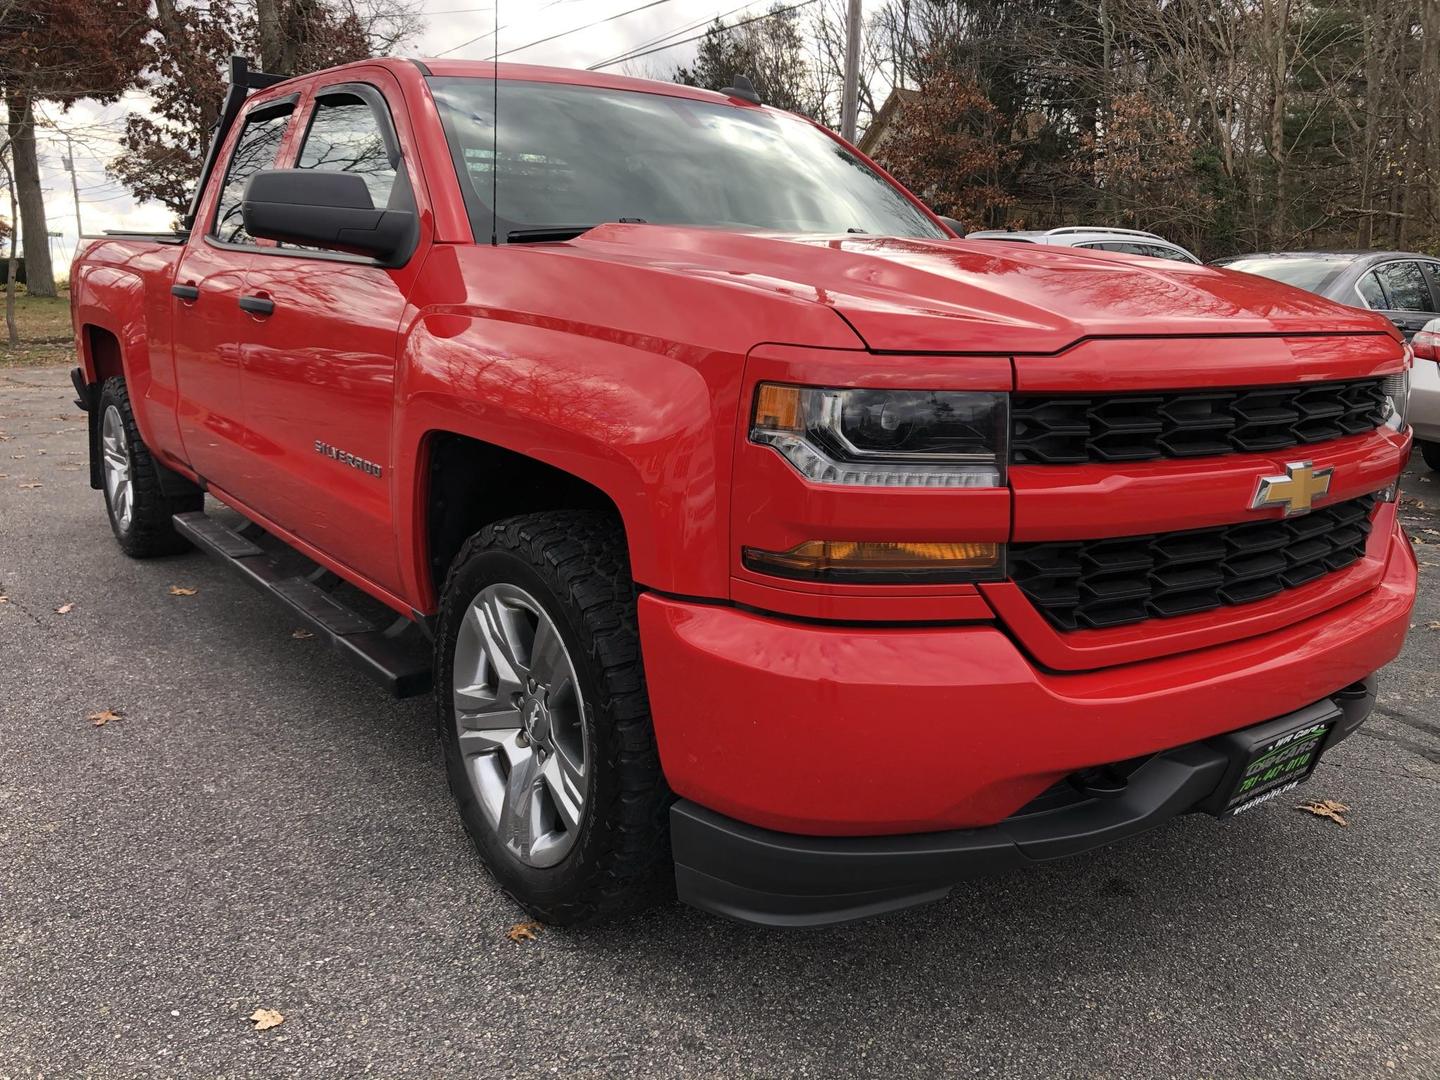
pixel 777 879
pixel 876 729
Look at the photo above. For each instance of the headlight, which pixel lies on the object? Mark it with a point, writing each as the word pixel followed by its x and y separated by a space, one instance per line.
pixel 891 438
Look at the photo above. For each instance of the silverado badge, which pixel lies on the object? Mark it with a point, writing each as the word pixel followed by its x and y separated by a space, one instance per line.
pixel 1296 491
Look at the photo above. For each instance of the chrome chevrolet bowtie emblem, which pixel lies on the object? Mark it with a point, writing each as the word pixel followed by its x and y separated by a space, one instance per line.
pixel 1297 491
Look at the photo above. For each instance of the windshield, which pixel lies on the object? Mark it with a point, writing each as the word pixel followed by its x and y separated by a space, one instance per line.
pixel 581 155
pixel 1313 273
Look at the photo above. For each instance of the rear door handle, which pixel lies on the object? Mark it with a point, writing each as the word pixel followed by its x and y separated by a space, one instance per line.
pixel 257 305
pixel 185 292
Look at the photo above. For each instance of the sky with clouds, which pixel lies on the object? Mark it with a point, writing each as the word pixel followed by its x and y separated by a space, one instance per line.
pixel 458 28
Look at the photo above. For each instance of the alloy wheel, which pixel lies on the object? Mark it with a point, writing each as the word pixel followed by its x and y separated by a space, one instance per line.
pixel 520 722
pixel 115 451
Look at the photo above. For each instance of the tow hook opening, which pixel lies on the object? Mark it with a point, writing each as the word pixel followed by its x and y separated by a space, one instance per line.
pixel 1102 782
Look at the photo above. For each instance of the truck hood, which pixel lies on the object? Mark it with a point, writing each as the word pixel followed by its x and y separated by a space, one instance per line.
pixel 980 296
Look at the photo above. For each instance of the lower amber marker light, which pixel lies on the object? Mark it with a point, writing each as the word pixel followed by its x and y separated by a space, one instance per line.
pixel 880 560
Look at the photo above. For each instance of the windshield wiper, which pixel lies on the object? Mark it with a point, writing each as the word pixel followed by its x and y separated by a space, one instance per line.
pixel 542 234
pixel 546 233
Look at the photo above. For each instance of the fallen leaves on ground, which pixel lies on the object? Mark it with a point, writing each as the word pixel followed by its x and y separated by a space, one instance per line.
pixel 1432 626
pixel 64 609
pixel 4 599
pixel 180 590
pixel 264 1019
pixel 524 931
pixel 29 487
pixel 104 716
pixel 301 635
pixel 1326 808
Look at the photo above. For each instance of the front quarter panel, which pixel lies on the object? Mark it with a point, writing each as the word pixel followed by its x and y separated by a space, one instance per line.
pixel 623 375
pixel 634 424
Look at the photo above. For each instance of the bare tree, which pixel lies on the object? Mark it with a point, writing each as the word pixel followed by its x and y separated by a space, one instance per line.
pixel 12 263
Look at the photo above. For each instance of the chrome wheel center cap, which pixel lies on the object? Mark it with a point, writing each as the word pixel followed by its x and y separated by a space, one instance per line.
pixel 537 720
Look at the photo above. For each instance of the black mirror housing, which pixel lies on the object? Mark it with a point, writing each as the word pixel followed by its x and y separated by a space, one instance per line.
pixel 331 210
pixel 955 225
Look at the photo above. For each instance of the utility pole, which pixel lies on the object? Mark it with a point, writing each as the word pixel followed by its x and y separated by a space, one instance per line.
pixel 69 160
pixel 850 102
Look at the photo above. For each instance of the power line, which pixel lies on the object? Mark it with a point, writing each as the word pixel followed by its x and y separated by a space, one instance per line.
pixel 477 37
pixel 587 26
pixel 697 37
pixel 676 32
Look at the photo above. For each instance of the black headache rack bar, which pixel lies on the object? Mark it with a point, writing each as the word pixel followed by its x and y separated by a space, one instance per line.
pixel 242 81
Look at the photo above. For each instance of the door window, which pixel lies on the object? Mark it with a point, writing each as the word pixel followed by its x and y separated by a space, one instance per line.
pixel 346 135
pixel 1405 284
pixel 256 149
pixel 1155 251
pixel 1372 292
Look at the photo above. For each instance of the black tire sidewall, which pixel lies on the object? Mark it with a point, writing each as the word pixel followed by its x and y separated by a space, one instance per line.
pixel 537 885
pixel 1430 452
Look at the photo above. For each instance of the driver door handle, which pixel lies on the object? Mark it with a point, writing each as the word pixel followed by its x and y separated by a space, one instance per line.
pixel 186 292
pixel 257 305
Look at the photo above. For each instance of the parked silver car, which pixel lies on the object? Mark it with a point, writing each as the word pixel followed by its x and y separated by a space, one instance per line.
pixel 1402 285
pixel 1095 237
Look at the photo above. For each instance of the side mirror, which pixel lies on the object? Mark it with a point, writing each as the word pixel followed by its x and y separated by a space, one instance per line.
pixel 330 210
pixel 954 224
pixel 1426 342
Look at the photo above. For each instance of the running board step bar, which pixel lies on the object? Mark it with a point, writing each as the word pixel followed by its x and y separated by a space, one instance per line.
pixel 396 656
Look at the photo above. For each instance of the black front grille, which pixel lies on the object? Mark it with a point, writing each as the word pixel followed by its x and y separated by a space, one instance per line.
pixel 1061 429
pixel 1092 584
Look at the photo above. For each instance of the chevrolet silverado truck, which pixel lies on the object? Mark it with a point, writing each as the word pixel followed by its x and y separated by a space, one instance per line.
pixel 761 541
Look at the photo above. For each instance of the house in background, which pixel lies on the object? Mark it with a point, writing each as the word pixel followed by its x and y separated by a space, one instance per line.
pixel 882 127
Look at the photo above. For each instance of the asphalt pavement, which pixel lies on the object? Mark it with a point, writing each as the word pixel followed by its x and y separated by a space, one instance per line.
pixel 263 829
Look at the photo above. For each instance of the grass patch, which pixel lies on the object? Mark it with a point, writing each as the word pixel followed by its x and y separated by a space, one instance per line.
pixel 46 339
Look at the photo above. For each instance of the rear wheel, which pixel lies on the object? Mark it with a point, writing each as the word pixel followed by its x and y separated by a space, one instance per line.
pixel 1431 453
pixel 545 721
pixel 140 512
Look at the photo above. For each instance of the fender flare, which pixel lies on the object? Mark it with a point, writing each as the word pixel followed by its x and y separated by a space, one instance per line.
pixel 636 423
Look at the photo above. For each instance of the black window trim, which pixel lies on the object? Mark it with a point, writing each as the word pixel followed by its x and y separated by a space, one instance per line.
pixel 373 97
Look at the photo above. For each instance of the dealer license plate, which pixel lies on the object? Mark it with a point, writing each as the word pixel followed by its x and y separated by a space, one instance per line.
pixel 1276 765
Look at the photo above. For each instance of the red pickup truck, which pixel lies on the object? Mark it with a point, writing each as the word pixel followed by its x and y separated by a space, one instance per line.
pixel 763 541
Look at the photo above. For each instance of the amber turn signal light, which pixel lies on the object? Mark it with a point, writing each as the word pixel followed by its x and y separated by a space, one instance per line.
pixel 777 408
pixel 877 561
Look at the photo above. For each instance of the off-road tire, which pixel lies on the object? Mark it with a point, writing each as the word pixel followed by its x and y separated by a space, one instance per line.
pixel 1431 453
pixel 576 564
pixel 151 531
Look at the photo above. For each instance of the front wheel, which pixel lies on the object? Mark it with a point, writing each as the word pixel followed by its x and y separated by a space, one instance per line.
pixel 545 721
pixel 140 512
pixel 1431 453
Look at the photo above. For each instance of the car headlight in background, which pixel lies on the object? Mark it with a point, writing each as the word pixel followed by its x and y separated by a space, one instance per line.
pixel 885 438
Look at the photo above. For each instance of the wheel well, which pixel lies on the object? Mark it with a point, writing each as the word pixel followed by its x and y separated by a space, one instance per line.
pixel 103 348
pixel 474 483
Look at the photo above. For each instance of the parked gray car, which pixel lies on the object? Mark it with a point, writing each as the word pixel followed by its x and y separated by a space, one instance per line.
pixel 1096 238
pixel 1402 285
